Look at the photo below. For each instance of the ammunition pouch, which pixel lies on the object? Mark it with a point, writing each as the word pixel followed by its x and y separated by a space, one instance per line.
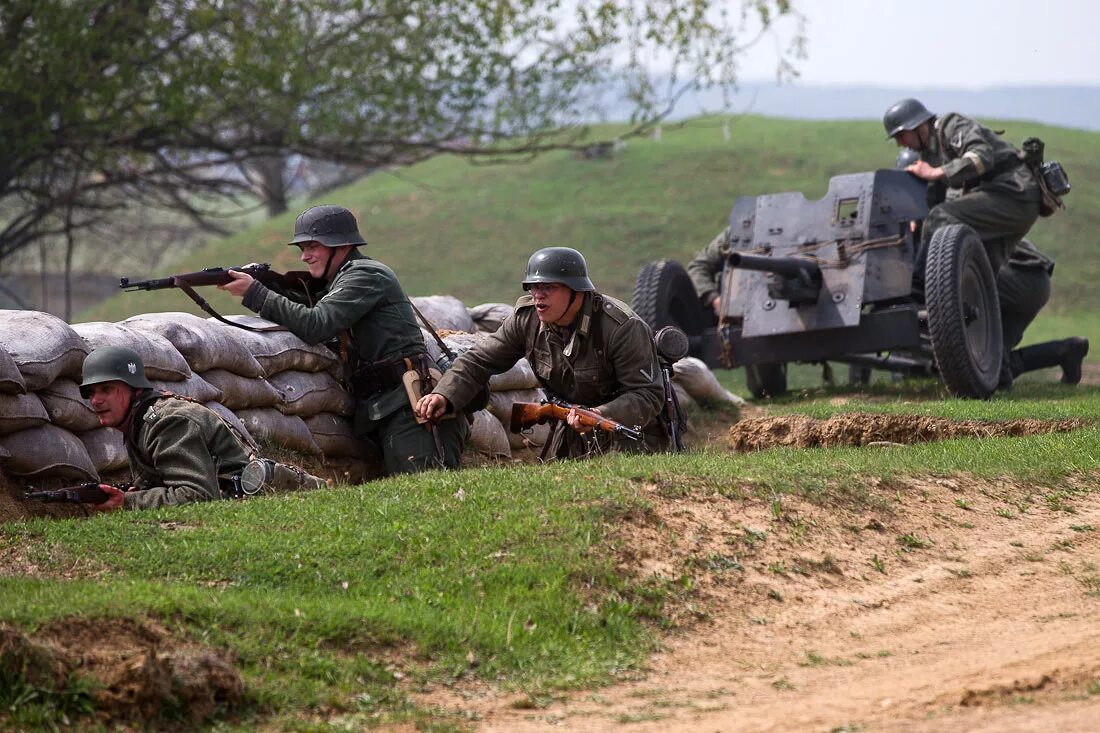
pixel 370 378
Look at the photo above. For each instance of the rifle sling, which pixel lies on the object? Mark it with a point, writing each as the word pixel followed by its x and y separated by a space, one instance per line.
pixel 201 302
pixel 431 329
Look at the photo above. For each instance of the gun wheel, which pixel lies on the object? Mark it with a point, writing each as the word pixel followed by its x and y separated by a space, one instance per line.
pixel 964 315
pixel 665 296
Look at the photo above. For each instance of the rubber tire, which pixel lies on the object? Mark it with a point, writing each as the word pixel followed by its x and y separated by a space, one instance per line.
pixel 766 380
pixel 959 283
pixel 665 296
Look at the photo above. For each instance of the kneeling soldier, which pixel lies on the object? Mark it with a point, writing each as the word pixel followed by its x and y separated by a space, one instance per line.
pixel 180 451
pixel 585 347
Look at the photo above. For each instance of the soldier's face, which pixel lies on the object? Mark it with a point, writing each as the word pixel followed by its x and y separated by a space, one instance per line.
pixel 315 255
pixel 909 139
pixel 111 402
pixel 551 301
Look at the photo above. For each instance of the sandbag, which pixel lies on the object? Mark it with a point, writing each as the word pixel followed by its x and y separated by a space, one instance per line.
pixel 47 451
pixel 699 382
pixel 279 351
pixel 240 392
pixel 11 381
pixel 236 426
pixel 334 435
pixel 268 425
pixel 519 376
pixel 66 408
pixel 532 437
pixel 193 388
pixel 682 396
pixel 105 449
pixel 20 412
pixel 204 344
pixel 488 437
pixel 445 313
pixel 43 347
pixel 487 317
pixel 4 454
pixel 311 393
pixel 500 403
pixel 162 360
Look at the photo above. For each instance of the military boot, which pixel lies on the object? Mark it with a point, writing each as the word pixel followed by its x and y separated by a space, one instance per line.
pixel 1067 354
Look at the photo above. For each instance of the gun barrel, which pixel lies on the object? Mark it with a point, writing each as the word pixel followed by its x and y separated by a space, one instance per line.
pixel 787 266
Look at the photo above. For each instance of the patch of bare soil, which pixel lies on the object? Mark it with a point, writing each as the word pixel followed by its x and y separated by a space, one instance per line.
pixel 959 605
pixel 861 428
pixel 144 673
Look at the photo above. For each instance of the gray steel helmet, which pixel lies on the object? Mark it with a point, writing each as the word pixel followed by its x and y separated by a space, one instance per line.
pixel 906 157
pixel 332 226
pixel 113 363
pixel 563 265
pixel 904 115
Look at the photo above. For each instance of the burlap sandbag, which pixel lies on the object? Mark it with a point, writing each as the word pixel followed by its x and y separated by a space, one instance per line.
pixel 204 344
pixel 4 455
pixel 699 382
pixel 162 360
pixel 533 437
pixel 488 437
pixel 279 351
pixel 236 426
pixel 43 347
pixel 66 408
pixel 20 412
pixel 268 425
pixel 334 435
pixel 47 452
pixel 445 313
pixel 488 316
pixel 240 392
pixel 11 381
pixel 500 403
pixel 519 376
pixel 193 388
pixel 105 449
pixel 682 396
pixel 311 393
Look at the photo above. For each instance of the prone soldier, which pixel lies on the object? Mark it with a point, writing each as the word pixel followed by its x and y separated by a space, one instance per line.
pixel 585 348
pixel 180 451
pixel 361 303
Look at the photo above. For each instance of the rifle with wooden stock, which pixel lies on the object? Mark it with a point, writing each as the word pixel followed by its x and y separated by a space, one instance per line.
pixel 526 414
pixel 86 493
pixel 188 281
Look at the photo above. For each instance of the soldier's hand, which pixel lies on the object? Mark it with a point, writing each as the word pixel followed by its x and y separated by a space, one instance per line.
pixel 921 169
pixel 114 502
pixel 239 285
pixel 573 420
pixel 431 406
pixel 716 304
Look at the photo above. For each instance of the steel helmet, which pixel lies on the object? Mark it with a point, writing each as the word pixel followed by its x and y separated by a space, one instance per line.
pixel 906 157
pixel 332 226
pixel 563 265
pixel 110 364
pixel 905 115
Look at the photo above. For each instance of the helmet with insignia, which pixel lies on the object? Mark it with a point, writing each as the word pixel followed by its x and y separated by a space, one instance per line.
pixel 563 265
pixel 110 364
pixel 907 114
pixel 332 226
pixel 906 157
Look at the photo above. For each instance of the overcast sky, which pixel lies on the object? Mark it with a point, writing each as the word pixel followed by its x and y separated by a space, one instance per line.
pixel 953 43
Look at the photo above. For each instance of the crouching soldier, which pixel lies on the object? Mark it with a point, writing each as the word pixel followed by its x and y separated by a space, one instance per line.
pixel 180 451
pixel 585 348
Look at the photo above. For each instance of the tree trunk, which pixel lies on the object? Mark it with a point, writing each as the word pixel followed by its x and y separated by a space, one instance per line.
pixel 269 182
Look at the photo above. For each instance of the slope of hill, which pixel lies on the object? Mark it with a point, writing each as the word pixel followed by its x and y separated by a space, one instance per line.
pixel 447 226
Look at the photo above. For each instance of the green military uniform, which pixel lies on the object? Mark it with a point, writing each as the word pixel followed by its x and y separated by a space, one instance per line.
pixel 180 452
pixel 606 360
pixel 365 300
pixel 1000 198
pixel 705 268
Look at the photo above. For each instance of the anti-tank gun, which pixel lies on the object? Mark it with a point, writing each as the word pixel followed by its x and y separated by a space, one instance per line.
pixel 833 280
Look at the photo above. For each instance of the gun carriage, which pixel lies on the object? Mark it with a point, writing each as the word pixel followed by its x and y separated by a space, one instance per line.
pixel 833 280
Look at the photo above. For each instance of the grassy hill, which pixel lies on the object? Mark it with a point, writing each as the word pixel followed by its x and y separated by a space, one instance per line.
pixel 447 226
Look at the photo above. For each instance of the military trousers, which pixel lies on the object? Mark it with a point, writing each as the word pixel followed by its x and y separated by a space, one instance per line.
pixel 409 447
pixel 999 219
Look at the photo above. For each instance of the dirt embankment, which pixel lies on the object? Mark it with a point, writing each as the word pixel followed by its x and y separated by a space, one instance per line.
pixel 966 605
pixel 861 428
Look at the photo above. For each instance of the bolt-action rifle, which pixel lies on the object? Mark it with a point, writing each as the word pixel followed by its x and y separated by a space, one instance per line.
pixel 188 281
pixel 88 493
pixel 526 414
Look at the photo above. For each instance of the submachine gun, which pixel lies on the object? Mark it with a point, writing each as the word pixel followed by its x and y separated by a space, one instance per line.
pixel 672 345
